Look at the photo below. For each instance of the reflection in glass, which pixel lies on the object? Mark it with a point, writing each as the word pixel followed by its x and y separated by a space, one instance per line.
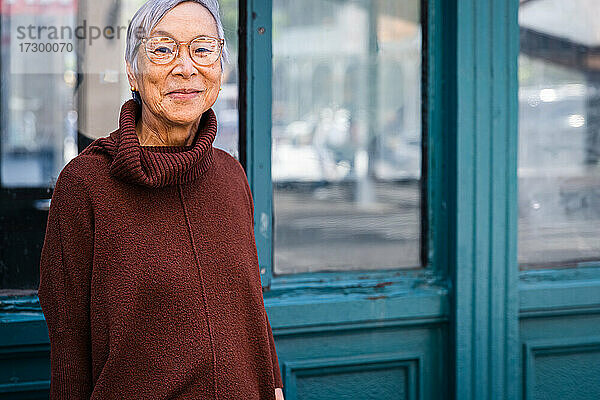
pixel 559 133
pixel 58 90
pixel 55 100
pixel 346 135
pixel 38 119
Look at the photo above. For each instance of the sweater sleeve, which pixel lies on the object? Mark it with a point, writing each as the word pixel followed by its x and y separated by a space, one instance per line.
pixel 274 359
pixel 64 289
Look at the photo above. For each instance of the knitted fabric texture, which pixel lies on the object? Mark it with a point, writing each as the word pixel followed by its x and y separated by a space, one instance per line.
pixel 149 276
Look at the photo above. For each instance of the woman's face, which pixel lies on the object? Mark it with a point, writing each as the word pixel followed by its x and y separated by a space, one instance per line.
pixel 156 83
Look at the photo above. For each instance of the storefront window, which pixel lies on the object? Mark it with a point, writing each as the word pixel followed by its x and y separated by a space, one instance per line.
pixel 559 133
pixel 39 78
pixel 346 135
pixel 63 84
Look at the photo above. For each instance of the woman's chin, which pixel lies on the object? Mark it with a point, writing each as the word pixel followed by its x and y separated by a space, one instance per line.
pixel 184 114
pixel 183 119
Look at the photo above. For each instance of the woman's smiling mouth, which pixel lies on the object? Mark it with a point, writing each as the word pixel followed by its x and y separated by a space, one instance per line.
pixel 184 94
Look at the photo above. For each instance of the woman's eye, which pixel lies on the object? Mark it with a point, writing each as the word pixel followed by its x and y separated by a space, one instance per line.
pixel 202 50
pixel 162 50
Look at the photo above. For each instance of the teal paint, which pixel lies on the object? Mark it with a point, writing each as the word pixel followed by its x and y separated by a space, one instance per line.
pixel 325 364
pixel 258 120
pixel 378 375
pixel 561 354
pixel 317 318
pixel 343 308
pixel 572 291
pixel 438 114
pixel 484 334
pixel 559 328
pixel 24 352
pixel 562 368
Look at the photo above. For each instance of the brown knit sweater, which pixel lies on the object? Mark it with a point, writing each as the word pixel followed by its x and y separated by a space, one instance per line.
pixel 149 276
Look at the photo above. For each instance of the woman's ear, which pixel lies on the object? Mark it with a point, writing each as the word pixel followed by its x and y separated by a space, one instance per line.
pixel 131 77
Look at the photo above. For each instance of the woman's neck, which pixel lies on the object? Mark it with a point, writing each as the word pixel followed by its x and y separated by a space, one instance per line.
pixel 152 132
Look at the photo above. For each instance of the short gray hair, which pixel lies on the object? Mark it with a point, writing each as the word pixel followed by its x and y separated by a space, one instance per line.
pixel 148 16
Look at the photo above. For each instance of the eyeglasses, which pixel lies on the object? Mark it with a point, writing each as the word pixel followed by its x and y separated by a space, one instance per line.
pixel 203 50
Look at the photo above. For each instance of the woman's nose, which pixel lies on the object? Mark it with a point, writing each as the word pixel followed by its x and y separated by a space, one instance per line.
pixel 184 64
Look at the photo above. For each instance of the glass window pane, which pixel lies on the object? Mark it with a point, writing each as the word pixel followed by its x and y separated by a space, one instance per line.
pixel 559 133
pixel 42 113
pixel 346 135
pixel 38 78
pixel 63 83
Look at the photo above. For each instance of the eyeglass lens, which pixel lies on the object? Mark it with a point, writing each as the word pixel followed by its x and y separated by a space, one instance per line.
pixel 162 50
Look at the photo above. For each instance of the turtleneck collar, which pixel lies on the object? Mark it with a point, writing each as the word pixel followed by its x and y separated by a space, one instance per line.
pixel 156 166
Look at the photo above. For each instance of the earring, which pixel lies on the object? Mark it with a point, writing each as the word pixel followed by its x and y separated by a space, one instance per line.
pixel 220 89
pixel 136 96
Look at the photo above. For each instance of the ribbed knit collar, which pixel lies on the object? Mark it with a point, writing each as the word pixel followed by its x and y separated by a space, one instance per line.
pixel 157 166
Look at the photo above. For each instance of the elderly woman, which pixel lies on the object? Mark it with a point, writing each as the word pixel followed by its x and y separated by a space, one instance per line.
pixel 149 276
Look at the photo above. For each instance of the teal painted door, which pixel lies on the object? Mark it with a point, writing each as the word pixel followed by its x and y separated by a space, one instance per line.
pixel 494 330
pixel 450 328
pixel 559 222
pixel 345 330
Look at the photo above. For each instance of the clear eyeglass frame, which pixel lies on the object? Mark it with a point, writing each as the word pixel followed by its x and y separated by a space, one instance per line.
pixel 178 44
